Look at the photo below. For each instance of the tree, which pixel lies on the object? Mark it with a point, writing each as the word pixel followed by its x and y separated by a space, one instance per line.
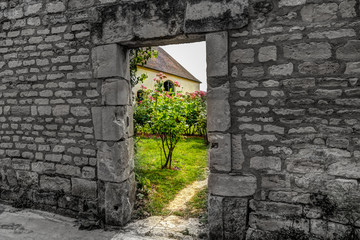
pixel 140 56
pixel 165 116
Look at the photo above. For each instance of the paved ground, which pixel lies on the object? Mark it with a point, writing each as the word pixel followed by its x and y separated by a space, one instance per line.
pixel 31 224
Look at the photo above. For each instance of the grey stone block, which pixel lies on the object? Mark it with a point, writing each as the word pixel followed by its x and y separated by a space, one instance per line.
pixel 83 188
pixel 319 12
pixel 115 160
pixel 308 51
pixel 238 157
pixel 217 54
pixel 220 152
pixel 235 217
pixel 210 16
pixel 215 217
pixel 115 92
pixel 110 61
pixel 232 186
pixel 119 201
pixel 218 108
pixel 110 123
pixel 350 51
pixel 55 183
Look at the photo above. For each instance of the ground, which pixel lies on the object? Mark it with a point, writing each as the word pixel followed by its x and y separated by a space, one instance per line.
pixel 29 224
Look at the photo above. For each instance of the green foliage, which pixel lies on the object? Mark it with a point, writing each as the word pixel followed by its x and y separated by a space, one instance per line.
pixel 140 56
pixel 168 115
pixel 190 164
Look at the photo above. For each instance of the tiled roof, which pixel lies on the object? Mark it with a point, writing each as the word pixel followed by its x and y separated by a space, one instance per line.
pixel 167 64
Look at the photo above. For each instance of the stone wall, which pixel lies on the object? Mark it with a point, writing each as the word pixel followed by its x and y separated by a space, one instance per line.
pixel 292 94
pixel 282 106
pixel 65 110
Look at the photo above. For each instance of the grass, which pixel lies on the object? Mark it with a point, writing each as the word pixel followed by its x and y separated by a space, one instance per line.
pixel 157 187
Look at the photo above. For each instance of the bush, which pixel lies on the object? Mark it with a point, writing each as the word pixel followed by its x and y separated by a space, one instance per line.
pixel 169 115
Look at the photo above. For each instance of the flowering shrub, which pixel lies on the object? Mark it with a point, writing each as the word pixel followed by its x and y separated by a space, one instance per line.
pixel 169 115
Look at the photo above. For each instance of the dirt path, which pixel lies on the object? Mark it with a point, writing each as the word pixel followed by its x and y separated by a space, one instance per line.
pixel 185 195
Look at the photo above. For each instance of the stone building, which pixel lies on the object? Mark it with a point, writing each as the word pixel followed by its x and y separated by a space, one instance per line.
pixel 283 98
pixel 174 71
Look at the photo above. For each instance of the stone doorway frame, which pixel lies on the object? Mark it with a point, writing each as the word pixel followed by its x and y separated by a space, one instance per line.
pixel 113 120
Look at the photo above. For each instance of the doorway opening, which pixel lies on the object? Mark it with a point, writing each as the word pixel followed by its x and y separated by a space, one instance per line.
pixel 171 138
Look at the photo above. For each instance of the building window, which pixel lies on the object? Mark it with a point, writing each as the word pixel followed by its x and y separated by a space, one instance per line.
pixel 139 95
pixel 169 86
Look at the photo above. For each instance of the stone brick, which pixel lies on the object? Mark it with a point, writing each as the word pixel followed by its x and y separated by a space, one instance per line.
pixel 319 69
pixel 55 7
pixel 327 228
pixel 291 3
pixel 115 92
pixel 271 83
pixel 258 94
pixel 83 188
pixel 238 157
pixel 345 168
pixel 218 108
pixel 308 51
pixel 260 138
pixel 268 53
pixel 110 61
pixel 114 161
pixel 215 217
pixel 352 68
pixel 237 186
pixel 55 183
pixel 275 222
pixel 271 163
pixel 110 123
pixel 319 12
pixel 347 8
pixel 299 82
pixel 80 111
pixel 325 93
pixel 235 215
pixel 88 173
pixel 350 51
pixel 342 33
pixel 26 178
pixel 217 54
pixel 253 72
pixel 20 110
pixel 68 170
pixel 32 9
pixel 61 110
pixel 242 56
pixel 250 127
pixel 274 129
pixel 42 167
pixel 78 4
pixel 220 152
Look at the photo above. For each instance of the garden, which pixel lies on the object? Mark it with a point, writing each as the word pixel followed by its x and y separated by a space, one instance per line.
pixel 171 149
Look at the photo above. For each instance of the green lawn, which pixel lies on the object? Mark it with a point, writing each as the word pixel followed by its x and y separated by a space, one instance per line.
pixel 159 186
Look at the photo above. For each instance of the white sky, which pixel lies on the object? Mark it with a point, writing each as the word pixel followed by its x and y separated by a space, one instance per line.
pixel 193 57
